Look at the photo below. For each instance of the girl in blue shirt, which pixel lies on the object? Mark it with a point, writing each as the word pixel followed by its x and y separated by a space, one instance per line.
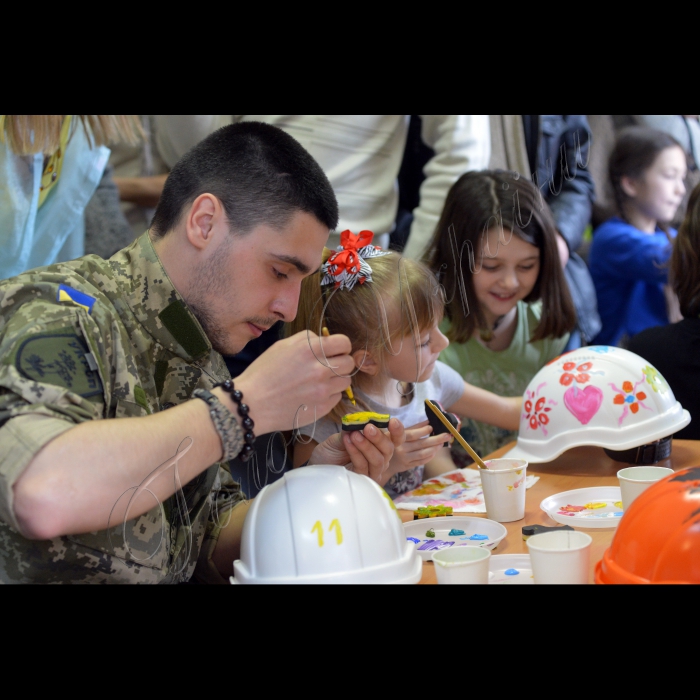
pixel 629 256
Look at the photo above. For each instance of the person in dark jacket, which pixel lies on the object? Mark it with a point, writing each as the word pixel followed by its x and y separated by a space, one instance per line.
pixel 557 150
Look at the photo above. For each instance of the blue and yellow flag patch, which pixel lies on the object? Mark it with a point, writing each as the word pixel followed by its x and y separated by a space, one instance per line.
pixel 68 294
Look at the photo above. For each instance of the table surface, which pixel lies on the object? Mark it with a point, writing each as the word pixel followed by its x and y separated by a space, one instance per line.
pixel 578 468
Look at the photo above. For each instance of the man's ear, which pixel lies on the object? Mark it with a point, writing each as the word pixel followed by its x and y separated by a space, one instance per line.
pixel 365 362
pixel 204 217
pixel 629 185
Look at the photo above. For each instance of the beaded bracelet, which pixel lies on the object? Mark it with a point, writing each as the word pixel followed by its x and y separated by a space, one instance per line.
pixel 225 422
pixel 247 421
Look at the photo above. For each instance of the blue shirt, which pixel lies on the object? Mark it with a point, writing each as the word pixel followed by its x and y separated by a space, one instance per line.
pixel 629 269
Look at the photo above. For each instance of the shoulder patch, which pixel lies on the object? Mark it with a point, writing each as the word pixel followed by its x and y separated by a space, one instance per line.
pixel 59 359
pixel 70 295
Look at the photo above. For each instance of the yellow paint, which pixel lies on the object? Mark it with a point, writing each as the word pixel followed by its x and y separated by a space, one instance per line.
pixel 518 472
pixel 318 528
pixel 593 506
pixel 618 504
pixel 335 525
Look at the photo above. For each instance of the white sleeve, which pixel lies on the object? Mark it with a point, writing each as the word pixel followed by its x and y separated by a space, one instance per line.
pixel 177 133
pixel 461 142
pixel 451 384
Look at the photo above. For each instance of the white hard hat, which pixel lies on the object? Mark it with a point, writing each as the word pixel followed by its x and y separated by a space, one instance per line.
pixel 597 395
pixel 325 524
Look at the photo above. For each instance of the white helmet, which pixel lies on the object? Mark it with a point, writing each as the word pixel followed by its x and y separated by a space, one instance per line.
pixel 597 395
pixel 325 524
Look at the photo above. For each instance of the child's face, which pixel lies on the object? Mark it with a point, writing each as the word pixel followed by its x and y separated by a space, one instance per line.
pixel 659 191
pixel 416 360
pixel 509 271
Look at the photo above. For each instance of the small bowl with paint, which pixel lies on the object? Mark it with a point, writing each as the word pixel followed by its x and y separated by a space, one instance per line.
pixel 430 535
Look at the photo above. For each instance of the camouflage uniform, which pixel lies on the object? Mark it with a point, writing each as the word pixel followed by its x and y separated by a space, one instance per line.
pixel 93 339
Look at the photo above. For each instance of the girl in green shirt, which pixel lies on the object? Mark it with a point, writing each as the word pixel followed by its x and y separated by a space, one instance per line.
pixel 508 310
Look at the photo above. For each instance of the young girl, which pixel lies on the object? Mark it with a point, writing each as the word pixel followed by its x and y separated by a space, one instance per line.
pixel 390 307
pixel 508 309
pixel 673 349
pixel 629 255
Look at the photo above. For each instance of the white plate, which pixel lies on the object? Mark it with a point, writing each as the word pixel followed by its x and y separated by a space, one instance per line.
pixel 494 532
pixel 606 517
pixel 499 564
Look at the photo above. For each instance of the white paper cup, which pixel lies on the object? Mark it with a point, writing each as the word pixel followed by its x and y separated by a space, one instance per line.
pixel 560 557
pixel 634 480
pixel 462 564
pixel 503 484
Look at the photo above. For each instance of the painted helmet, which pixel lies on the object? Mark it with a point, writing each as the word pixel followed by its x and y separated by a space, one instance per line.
pixel 597 395
pixel 658 538
pixel 325 524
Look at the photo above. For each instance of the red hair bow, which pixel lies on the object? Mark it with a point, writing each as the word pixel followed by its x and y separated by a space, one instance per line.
pixel 347 265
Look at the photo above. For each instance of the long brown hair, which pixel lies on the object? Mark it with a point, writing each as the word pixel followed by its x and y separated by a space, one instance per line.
pixel 635 150
pixel 477 202
pixel 403 299
pixel 27 134
pixel 685 259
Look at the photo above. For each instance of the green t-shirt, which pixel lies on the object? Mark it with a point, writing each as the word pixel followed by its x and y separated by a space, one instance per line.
pixel 506 372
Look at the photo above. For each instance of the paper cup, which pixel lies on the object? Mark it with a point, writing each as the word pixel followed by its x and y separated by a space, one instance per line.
pixel 634 480
pixel 462 565
pixel 503 484
pixel 560 557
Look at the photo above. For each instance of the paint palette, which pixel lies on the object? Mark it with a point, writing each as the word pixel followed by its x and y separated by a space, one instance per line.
pixel 510 569
pixel 594 507
pixel 479 532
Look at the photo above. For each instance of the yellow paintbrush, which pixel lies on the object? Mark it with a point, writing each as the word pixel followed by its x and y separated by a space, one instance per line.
pixel 348 391
pixel 436 410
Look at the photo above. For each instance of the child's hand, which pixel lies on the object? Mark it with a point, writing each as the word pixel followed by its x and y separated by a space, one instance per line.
pixel 367 451
pixel 417 448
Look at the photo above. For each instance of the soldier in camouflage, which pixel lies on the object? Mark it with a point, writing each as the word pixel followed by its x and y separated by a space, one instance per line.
pixel 242 220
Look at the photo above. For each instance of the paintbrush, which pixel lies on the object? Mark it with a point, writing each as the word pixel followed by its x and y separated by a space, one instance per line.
pixel 348 391
pixel 436 410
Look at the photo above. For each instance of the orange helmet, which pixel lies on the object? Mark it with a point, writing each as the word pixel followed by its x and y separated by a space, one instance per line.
pixel 658 538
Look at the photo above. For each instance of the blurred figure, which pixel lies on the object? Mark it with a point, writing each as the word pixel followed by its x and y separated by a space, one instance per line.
pixel 629 255
pixel 673 349
pixel 50 166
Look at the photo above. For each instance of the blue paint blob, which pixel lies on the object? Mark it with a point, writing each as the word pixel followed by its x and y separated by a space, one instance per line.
pixel 413 539
pixel 511 572
pixel 618 515
pixel 454 533
pixel 479 537
pixel 629 399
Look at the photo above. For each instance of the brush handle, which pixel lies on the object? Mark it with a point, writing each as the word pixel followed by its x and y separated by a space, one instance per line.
pixel 348 391
pixel 456 434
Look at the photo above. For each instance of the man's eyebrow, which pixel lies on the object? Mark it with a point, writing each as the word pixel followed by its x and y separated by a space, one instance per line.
pixel 293 260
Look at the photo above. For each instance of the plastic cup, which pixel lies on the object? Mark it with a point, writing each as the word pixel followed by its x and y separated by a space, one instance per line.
pixel 560 557
pixel 465 564
pixel 634 480
pixel 503 484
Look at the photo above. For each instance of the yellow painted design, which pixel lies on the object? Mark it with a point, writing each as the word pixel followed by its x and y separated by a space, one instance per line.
pixel 510 488
pixel 518 472
pixel 618 504
pixel 335 525
pixel 391 503
pixel 318 528
pixel 593 506
pixel 364 417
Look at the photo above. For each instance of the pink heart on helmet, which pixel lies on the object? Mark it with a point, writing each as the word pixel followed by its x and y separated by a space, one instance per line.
pixel 583 403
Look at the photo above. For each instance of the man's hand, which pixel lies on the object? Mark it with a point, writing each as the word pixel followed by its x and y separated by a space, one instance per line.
pixel 296 381
pixel 367 451
pixel 417 449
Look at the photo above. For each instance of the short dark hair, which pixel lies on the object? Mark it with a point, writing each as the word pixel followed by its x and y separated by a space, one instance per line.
pixel 635 150
pixel 260 174
pixel 475 203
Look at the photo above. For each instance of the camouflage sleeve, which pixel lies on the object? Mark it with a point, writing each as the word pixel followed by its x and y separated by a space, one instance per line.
pixel 50 380
pixel 226 495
